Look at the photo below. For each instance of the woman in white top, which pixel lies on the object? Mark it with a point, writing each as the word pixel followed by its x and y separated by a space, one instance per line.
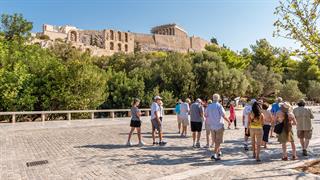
pixel 184 116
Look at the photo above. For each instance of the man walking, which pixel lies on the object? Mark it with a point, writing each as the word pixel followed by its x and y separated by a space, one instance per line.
pixel 214 114
pixel 177 111
pixel 303 116
pixel 155 121
pixel 274 109
pixel 197 117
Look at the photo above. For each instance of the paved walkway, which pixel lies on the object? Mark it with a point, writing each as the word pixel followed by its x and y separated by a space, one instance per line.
pixel 86 149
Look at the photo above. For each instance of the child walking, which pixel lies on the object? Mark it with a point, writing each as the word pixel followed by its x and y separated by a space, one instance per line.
pixel 232 117
pixel 135 122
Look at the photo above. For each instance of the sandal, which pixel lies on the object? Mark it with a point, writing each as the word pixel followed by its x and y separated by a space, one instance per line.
pixel 294 158
pixel 284 158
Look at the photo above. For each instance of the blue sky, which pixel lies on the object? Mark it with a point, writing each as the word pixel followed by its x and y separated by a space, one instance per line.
pixel 236 23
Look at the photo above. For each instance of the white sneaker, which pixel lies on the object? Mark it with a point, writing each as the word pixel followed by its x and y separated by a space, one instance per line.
pixel 206 146
pixel 129 143
pixel 141 143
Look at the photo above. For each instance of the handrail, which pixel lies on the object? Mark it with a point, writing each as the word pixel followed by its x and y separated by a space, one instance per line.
pixel 69 112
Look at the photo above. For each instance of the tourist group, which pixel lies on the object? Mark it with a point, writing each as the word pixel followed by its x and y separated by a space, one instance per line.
pixel 259 123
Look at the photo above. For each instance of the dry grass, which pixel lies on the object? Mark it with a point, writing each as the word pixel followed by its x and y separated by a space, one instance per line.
pixel 311 167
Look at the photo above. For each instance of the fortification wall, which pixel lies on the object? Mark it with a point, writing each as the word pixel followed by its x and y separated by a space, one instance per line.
pixel 55 35
pixel 198 44
pixel 144 38
pixel 172 43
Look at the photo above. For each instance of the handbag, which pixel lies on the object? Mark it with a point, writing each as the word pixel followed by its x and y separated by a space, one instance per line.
pixel 278 128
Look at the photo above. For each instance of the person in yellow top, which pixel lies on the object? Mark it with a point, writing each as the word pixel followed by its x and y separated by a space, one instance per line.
pixel 256 119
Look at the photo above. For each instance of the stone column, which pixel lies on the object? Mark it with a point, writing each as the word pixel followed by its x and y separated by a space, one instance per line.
pixel 112 115
pixel 13 118
pixel 43 117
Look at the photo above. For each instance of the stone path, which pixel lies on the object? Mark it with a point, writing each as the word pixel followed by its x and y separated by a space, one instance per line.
pixel 86 149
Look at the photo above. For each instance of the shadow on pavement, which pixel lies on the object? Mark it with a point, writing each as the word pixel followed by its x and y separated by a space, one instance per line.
pixel 104 146
pixel 269 177
pixel 197 157
pixel 148 133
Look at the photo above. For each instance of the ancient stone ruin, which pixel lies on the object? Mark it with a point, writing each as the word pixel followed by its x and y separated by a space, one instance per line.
pixel 169 37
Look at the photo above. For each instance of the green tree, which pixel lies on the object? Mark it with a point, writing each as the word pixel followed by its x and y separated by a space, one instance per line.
pixel 15 90
pixel 265 80
pixel 15 27
pixel 122 90
pixel 234 60
pixel 214 40
pixel 290 91
pixel 313 91
pixel 215 77
pixel 265 54
pixel 299 20
pixel 308 69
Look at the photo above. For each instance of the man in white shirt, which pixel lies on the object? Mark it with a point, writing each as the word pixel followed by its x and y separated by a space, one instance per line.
pixel 245 120
pixel 215 115
pixel 155 121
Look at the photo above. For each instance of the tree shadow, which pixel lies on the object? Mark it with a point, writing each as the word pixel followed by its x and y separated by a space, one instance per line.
pixel 196 157
pixel 267 177
pixel 104 146
pixel 149 133
pixel 166 137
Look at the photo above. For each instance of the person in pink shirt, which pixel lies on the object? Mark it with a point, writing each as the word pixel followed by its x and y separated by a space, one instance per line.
pixel 232 117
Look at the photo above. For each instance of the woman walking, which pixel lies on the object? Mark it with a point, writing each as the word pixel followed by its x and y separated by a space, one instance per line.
pixel 184 115
pixel 135 122
pixel 256 118
pixel 266 124
pixel 286 135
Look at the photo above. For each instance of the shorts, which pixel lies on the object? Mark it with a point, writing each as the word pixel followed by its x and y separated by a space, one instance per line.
pixel 184 120
pixel 156 125
pixel 266 130
pixel 247 134
pixel 135 124
pixel 179 119
pixel 256 133
pixel 196 126
pixel 304 134
pixel 217 135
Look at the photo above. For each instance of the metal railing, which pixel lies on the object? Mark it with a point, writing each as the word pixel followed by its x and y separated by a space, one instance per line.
pixel 69 112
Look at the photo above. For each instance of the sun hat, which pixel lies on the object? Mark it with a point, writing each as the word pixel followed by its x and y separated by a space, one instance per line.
pixel 157 97
pixel 279 99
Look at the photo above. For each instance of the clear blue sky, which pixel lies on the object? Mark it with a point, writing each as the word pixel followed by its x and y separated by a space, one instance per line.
pixel 236 23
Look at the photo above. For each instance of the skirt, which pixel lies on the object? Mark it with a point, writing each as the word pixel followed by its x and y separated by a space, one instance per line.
pixel 285 137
